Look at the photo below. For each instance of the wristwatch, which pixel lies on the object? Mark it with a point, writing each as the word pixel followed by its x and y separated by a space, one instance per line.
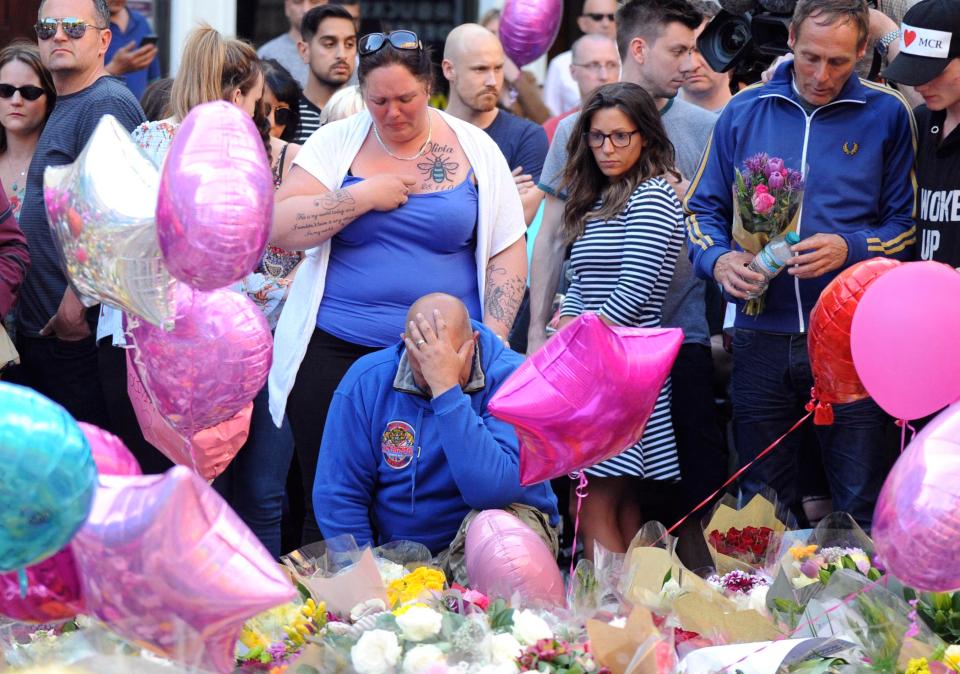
pixel 883 44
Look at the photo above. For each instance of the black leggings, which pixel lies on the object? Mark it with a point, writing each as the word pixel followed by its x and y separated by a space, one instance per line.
pixel 325 363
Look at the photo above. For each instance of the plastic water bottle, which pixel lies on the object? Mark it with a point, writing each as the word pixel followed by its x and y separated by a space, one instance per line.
pixel 771 259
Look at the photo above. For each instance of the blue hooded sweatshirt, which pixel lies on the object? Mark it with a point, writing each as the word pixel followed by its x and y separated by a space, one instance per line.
pixel 857 152
pixel 396 465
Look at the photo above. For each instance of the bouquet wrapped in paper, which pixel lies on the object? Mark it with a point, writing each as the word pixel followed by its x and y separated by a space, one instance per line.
pixel 745 539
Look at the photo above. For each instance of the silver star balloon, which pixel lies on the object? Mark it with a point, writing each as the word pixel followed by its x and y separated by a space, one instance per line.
pixel 101 209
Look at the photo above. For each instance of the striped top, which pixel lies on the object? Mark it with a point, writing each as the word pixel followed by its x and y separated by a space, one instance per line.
pixel 622 268
pixel 309 120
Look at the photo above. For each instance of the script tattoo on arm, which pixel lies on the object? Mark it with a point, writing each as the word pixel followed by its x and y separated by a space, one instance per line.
pixel 331 210
pixel 437 167
pixel 504 294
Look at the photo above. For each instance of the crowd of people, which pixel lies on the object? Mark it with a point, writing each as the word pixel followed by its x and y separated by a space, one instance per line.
pixel 418 254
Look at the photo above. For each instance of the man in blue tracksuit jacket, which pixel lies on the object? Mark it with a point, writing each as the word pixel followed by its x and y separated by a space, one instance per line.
pixel 409 449
pixel 855 141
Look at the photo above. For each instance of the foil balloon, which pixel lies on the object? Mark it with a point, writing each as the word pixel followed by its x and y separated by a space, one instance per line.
pixel 504 556
pixel 109 453
pixel 208 452
pixel 585 396
pixel 215 206
pixel 101 212
pixel 528 28
pixel 916 524
pixel 167 564
pixel 904 339
pixel 835 378
pixel 53 591
pixel 211 365
pixel 47 477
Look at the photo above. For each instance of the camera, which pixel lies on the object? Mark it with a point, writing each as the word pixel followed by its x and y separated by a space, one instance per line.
pixel 746 36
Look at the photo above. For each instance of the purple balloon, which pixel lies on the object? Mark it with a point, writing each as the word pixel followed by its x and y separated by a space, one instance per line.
pixel 916 525
pixel 528 28
pixel 53 591
pixel 215 205
pixel 166 563
pixel 213 362
pixel 109 453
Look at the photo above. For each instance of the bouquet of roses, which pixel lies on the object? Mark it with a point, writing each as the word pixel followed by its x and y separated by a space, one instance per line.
pixel 745 539
pixel 766 204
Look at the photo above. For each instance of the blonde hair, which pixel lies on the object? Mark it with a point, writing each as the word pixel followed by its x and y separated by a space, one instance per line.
pixel 211 67
pixel 346 102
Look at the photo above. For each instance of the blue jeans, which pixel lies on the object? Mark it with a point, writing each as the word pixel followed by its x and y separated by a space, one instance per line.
pixel 255 481
pixel 770 385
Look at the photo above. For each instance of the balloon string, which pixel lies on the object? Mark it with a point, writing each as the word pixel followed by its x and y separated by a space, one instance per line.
pixel 581 492
pixel 904 424
pixel 730 480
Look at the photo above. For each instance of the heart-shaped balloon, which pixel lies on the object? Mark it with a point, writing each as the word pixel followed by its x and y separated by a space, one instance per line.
pixel 585 396
pixel 215 206
pixel 166 563
pixel 528 28
pixel 835 378
pixel 53 591
pixel 211 365
pixel 916 524
pixel 101 211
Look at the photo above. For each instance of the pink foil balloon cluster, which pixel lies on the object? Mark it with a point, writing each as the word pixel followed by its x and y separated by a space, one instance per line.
pixel 585 396
pixel 528 28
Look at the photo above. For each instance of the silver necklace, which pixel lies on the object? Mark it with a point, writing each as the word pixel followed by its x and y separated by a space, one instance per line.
pixel 420 152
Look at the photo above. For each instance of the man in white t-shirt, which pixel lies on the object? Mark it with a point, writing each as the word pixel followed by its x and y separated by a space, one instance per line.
pixel 283 48
pixel 560 90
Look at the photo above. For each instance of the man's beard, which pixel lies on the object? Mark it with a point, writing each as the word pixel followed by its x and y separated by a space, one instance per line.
pixel 332 80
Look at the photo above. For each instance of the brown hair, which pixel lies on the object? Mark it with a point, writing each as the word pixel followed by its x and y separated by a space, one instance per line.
pixel 418 61
pixel 647 19
pixel 829 12
pixel 27 53
pixel 582 178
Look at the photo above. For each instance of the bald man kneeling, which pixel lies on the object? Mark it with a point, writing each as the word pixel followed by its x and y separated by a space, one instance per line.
pixel 410 451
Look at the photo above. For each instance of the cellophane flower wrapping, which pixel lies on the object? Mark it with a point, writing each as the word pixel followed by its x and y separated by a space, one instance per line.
pixel 748 538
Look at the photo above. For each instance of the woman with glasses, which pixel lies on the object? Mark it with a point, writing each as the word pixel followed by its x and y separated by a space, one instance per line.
pixel 626 227
pixel 27 96
pixel 392 203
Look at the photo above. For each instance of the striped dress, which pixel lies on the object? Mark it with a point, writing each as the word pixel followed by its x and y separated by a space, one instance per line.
pixel 621 269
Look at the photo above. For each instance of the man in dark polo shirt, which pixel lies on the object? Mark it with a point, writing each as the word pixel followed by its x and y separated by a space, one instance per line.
pixel 55 332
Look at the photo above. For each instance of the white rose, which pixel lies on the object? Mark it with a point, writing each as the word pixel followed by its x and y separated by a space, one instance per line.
pixel 421 658
pixel 376 652
pixel 504 649
pixel 757 599
pixel 530 628
pixel 419 622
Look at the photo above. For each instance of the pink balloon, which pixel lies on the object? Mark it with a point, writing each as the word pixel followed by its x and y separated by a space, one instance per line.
pixel 166 563
pixel 528 28
pixel 215 205
pixel 53 591
pixel 211 365
pixel 504 556
pixel 109 453
pixel 208 452
pixel 904 339
pixel 916 524
pixel 585 396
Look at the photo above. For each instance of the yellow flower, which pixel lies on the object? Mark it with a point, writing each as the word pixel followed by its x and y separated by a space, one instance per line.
pixel 801 552
pixel 918 666
pixel 251 639
pixel 951 658
pixel 406 607
pixel 414 584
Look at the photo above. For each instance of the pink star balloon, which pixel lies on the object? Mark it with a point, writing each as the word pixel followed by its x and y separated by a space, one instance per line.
pixel 167 564
pixel 585 396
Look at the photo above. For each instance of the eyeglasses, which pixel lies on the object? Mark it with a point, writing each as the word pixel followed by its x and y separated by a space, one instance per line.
pixel 398 39
pixel 596 68
pixel 600 17
pixel 281 114
pixel 74 28
pixel 29 92
pixel 618 138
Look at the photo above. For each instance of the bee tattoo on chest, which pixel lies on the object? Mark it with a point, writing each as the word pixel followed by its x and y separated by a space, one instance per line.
pixel 438 167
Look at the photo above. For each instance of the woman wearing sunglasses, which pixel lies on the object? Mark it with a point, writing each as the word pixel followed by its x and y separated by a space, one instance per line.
pixel 392 203
pixel 626 227
pixel 281 100
pixel 27 96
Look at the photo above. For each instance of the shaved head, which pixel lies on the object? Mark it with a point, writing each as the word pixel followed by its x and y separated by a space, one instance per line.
pixel 454 313
pixel 468 37
pixel 473 64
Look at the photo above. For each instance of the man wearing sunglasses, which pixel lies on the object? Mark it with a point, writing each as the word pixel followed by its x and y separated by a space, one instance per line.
pixel 55 332
pixel 560 90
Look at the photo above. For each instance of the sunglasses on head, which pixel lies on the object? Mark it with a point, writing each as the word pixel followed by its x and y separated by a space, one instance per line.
pixel 398 39
pixel 600 17
pixel 29 92
pixel 72 27
pixel 281 115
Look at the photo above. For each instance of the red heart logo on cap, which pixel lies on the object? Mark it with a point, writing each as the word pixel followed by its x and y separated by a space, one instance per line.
pixel 908 37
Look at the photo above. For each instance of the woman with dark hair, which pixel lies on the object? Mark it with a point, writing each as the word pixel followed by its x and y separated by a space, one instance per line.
pixel 392 203
pixel 281 100
pixel 27 96
pixel 626 227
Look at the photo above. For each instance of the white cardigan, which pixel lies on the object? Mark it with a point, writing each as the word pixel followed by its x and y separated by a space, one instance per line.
pixel 327 156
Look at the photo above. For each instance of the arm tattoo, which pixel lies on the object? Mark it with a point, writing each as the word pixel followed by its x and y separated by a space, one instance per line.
pixel 503 295
pixel 332 209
